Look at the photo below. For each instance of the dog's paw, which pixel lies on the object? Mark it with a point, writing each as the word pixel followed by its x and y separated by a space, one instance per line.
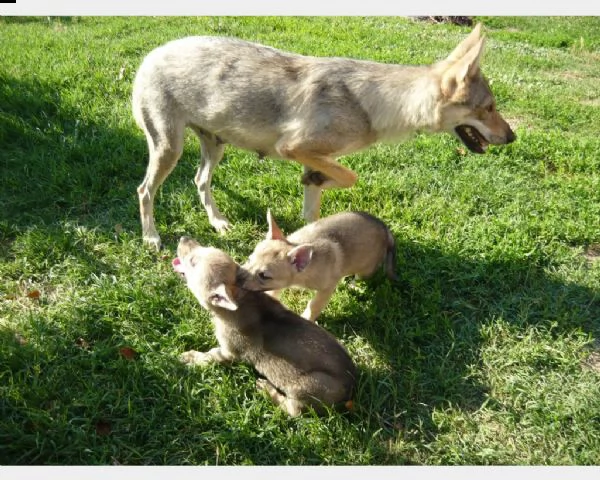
pixel 192 357
pixel 152 241
pixel 221 225
pixel 261 383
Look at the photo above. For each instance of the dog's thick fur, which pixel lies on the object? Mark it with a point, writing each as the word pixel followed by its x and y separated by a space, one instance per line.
pixel 307 109
pixel 319 255
pixel 303 365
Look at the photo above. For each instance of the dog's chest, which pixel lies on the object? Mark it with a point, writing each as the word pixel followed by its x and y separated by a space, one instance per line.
pixel 241 343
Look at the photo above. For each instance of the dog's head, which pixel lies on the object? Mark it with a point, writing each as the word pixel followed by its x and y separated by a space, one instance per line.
pixel 210 274
pixel 274 262
pixel 468 105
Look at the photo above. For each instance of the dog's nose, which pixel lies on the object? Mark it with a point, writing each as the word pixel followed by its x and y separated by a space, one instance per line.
pixel 511 137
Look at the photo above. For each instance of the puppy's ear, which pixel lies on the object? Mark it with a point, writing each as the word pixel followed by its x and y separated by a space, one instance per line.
pixel 222 297
pixel 275 232
pixel 300 256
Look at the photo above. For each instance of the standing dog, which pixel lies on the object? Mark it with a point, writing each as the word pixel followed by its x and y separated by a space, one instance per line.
pixel 307 109
pixel 303 365
pixel 319 255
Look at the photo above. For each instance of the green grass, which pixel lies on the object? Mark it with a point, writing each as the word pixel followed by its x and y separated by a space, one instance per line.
pixel 486 352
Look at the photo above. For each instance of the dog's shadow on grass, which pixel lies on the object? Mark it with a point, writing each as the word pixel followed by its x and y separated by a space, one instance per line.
pixel 423 336
pixel 59 166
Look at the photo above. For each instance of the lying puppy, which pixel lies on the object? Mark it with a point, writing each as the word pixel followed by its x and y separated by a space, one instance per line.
pixel 319 255
pixel 302 364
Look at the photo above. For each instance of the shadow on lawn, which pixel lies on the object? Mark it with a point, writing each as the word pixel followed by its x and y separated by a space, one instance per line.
pixel 428 330
pixel 425 332
pixel 57 167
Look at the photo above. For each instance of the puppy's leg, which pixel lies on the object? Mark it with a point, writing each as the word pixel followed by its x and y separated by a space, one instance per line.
pixel 214 355
pixel 318 303
pixel 292 406
pixel 211 154
pixel 165 144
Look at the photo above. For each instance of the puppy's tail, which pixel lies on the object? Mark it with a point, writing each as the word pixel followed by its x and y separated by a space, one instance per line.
pixel 389 264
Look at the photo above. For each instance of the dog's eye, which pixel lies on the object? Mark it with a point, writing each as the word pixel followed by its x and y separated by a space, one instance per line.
pixel 264 276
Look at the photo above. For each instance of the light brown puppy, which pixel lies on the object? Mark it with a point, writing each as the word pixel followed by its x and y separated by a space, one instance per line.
pixel 303 365
pixel 319 255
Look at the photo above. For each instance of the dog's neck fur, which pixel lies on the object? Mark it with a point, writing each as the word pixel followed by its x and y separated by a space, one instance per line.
pixel 234 319
pixel 399 99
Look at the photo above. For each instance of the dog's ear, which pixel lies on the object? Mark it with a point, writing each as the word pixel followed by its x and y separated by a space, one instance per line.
pixel 468 66
pixel 275 232
pixel 222 297
pixel 466 45
pixel 300 256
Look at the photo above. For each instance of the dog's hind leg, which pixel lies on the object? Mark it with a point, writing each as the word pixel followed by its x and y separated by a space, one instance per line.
pixel 165 143
pixel 290 405
pixel 211 154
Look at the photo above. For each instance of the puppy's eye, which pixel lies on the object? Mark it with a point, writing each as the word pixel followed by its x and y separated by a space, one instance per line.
pixel 264 276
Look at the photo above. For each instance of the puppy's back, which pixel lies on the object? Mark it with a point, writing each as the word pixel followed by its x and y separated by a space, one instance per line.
pixel 300 358
pixel 365 241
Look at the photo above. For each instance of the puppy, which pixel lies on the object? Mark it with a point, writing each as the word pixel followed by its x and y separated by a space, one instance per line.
pixel 302 365
pixel 319 255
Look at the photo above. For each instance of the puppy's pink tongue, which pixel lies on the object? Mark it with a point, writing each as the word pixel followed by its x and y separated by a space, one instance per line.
pixel 177 265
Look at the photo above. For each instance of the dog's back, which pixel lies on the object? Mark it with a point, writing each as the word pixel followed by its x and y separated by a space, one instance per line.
pixel 365 242
pixel 302 363
pixel 300 358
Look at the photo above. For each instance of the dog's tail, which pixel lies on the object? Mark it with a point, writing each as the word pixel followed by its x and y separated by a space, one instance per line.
pixel 389 263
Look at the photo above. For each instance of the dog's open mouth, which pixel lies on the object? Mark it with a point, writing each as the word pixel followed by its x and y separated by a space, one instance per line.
pixel 472 138
pixel 178 267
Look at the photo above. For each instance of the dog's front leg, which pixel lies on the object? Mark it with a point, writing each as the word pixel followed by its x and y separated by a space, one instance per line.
pixel 311 205
pixel 214 355
pixel 320 172
pixel 318 303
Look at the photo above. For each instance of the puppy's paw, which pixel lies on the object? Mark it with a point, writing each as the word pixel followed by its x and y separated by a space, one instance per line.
pixel 192 357
pixel 262 384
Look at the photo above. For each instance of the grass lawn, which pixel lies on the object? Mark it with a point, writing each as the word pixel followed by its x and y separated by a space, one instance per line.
pixel 487 351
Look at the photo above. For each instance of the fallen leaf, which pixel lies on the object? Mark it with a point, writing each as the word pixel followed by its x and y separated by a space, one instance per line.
pixel 82 343
pixel 21 340
pixel 34 294
pixel 103 428
pixel 461 151
pixel 127 352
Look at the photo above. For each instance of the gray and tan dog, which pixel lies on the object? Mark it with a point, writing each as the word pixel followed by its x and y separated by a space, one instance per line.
pixel 308 109
pixel 319 255
pixel 303 365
